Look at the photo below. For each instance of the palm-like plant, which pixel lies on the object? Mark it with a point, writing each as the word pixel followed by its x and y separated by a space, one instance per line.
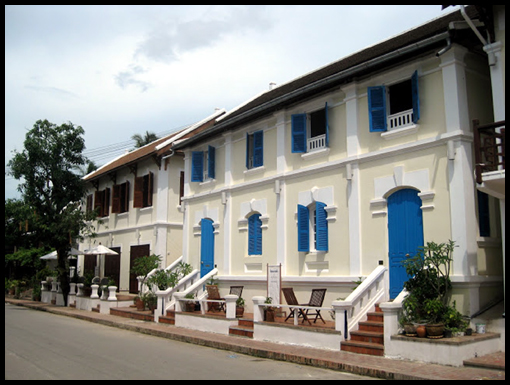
pixel 141 141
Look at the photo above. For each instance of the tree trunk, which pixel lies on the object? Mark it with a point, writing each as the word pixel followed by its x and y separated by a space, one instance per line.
pixel 62 273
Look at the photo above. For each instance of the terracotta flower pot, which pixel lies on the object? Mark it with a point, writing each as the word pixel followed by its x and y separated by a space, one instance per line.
pixel 421 331
pixel 435 330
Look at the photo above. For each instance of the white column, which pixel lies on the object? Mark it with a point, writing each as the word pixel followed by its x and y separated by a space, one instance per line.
pixel 280 191
pixel 352 178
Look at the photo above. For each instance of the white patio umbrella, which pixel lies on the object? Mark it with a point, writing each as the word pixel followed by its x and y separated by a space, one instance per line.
pixel 72 254
pixel 99 250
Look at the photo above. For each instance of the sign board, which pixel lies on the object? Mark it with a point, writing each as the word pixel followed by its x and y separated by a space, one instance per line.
pixel 274 282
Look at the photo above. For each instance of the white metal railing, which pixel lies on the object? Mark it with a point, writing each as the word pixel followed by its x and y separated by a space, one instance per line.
pixel 349 312
pixel 316 143
pixel 400 119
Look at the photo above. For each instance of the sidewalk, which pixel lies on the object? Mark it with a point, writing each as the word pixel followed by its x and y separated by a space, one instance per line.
pixel 379 367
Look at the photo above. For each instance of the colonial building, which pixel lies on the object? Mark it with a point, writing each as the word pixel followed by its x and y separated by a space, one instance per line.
pixel 349 167
pixel 138 199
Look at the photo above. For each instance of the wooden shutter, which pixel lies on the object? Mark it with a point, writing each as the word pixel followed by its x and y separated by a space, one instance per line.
pixel 321 227
pixel 197 166
pixel 106 202
pixel 255 235
pixel 126 196
pixel 97 202
pixel 416 98
pixel 303 229
pixel 116 199
pixel 138 192
pixel 258 149
pixel 90 199
pixel 150 188
pixel 211 162
pixel 327 124
pixel 298 123
pixel 377 108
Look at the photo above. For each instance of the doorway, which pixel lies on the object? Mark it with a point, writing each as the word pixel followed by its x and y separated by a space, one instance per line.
pixel 405 233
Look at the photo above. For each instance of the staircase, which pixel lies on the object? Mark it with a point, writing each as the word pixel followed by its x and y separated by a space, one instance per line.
pixel 243 329
pixel 369 338
pixel 169 318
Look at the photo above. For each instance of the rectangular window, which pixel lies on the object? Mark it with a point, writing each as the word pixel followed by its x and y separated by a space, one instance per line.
pixel 395 106
pixel 310 132
pixel 102 202
pixel 120 198
pixel 255 150
pixel 203 164
pixel 312 228
pixel 143 191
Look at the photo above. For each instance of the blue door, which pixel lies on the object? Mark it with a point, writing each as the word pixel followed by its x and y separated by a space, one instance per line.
pixel 206 247
pixel 405 231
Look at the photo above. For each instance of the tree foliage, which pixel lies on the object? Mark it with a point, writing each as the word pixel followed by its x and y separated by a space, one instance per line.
pixel 51 187
pixel 141 141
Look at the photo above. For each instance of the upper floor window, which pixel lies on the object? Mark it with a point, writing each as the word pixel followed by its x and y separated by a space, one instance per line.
pixel 310 132
pixel 120 198
pixel 395 106
pixel 255 150
pixel 102 202
pixel 312 227
pixel 203 164
pixel 143 190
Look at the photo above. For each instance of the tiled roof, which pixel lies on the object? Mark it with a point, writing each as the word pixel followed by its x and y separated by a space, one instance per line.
pixel 268 103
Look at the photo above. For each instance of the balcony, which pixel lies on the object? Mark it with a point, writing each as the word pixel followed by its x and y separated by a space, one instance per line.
pixel 489 143
pixel 316 143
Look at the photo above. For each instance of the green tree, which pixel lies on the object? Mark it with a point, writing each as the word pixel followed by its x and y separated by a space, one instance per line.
pixel 141 141
pixel 52 188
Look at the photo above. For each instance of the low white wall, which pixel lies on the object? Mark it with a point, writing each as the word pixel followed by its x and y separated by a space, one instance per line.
pixel 444 352
pixel 295 336
pixel 205 324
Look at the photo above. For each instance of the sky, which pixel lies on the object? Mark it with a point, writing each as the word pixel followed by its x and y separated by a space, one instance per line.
pixel 120 70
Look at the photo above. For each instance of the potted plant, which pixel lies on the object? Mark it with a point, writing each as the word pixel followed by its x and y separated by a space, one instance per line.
pixel 429 286
pixel 150 300
pixel 141 268
pixel 239 307
pixel 454 322
pixel 269 311
pixel 189 306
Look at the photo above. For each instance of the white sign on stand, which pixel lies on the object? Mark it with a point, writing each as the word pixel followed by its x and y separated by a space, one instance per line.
pixel 274 282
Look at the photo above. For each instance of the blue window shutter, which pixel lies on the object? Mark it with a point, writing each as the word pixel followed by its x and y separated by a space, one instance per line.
pixel 248 151
pixel 303 229
pixel 197 166
pixel 416 98
pixel 377 108
pixel 255 235
pixel 298 122
pixel 258 149
pixel 327 124
pixel 321 225
pixel 211 162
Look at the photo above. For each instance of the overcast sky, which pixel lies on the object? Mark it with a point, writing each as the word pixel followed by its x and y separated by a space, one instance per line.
pixel 121 70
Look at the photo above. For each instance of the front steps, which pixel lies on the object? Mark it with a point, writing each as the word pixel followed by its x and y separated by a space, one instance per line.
pixel 369 338
pixel 243 329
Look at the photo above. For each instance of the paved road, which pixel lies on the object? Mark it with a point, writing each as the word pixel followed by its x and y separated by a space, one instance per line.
pixel 40 345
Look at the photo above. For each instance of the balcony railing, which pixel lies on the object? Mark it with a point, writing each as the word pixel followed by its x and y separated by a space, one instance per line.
pixel 400 119
pixel 489 147
pixel 316 143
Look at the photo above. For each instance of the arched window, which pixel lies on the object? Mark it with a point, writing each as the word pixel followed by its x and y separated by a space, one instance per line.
pixel 254 235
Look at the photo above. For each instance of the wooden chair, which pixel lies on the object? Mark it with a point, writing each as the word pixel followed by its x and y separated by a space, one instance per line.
pixel 290 297
pixel 237 290
pixel 316 299
pixel 214 293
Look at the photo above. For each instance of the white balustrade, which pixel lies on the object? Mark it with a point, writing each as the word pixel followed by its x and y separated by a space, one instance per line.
pixel 400 119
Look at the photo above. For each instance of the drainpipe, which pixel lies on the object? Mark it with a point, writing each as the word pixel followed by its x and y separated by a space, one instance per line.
pixel 492 56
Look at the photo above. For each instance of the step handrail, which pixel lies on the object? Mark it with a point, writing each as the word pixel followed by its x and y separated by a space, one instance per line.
pixel 372 290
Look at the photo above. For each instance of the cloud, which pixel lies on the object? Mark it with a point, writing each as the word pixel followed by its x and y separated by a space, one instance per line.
pixel 168 41
pixel 54 91
pixel 128 78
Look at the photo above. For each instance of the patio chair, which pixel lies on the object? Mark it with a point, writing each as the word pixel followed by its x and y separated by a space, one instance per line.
pixel 290 297
pixel 316 299
pixel 237 290
pixel 214 293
